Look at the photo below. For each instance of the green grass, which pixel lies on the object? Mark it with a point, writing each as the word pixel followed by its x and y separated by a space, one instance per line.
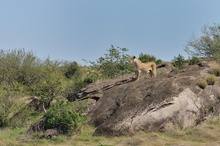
pixel 205 134
pixel 11 136
pixel 85 138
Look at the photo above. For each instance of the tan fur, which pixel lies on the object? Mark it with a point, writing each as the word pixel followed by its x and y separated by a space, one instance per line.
pixel 149 67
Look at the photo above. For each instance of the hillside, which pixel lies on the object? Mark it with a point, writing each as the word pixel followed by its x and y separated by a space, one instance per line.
pixel 169 110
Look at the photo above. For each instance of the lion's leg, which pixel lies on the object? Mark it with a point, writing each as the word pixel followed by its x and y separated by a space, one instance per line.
pixel 138 74
pixel 154 70
pixel 151 73
pixel 154 74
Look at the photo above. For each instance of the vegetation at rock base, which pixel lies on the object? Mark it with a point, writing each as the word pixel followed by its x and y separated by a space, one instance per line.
pixel 62 116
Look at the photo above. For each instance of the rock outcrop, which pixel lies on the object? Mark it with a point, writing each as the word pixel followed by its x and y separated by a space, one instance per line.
pixel 124 106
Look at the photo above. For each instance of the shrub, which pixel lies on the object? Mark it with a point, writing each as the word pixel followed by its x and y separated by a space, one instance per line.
pixel 7 104
pixel 49 83
pixel 194 60
pixel 207 45
pixel 211 79
pixel 149 58
pixel 202 83
pixel 178 62
pixel 18 66
pixel 88 80
pixel 71 69
pixel 113 64
pixel 216 71
pixel 23 115
pixel 63 116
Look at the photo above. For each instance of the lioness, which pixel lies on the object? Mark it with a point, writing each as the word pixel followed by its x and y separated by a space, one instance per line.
pixel 149 67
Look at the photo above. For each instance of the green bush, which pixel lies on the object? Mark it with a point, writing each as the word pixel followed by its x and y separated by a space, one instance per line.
pixel 202 83
pixel 149 58
pixel 179 62
pixel 50 82
pixel 23 116
pixel 194 60
pixel 211 79
pixel 113 64
pixel 88 80
pixel 63 116
pixel 71 69
pixel 18 66
pixel 7 104
pixel 24 72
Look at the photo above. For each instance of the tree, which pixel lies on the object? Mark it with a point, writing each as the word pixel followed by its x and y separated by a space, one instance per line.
pixel 208 45
pixel 149 58
pixel 71 69
pixel 113 64
pixel 49 83
pixel 178 62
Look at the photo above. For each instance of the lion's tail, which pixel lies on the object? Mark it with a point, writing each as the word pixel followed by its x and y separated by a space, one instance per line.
pixel 154 69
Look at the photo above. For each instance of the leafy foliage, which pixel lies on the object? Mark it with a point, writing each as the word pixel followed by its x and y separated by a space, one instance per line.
pixel 7 104
pixel 194 60
pixel 114 63
pixel 22 71
pixel 17 66
pixel 179 62
pixel 71 69
pixel 208 45
pixel 149 58
pixel 63 116
pixel 49 82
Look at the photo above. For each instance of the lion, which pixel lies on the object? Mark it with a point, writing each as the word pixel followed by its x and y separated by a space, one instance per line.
pixel 149 67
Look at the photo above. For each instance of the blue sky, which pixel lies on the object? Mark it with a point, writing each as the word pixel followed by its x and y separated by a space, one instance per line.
pixel 74 30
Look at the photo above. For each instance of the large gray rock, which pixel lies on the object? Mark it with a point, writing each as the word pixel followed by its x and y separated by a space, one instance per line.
pixel 124 106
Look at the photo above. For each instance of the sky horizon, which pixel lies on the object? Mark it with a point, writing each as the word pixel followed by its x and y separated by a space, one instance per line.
pixel 74 30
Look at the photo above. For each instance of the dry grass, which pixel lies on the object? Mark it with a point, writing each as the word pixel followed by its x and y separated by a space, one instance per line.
pixel 202 83
pixel 211 79
pixel 216 70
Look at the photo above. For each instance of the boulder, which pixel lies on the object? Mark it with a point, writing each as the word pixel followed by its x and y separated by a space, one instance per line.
pixel 125 106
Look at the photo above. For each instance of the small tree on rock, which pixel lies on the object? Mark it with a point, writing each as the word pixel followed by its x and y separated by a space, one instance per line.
pixel 208 45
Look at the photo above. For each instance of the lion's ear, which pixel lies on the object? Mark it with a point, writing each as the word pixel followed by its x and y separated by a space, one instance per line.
pixel 133 57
